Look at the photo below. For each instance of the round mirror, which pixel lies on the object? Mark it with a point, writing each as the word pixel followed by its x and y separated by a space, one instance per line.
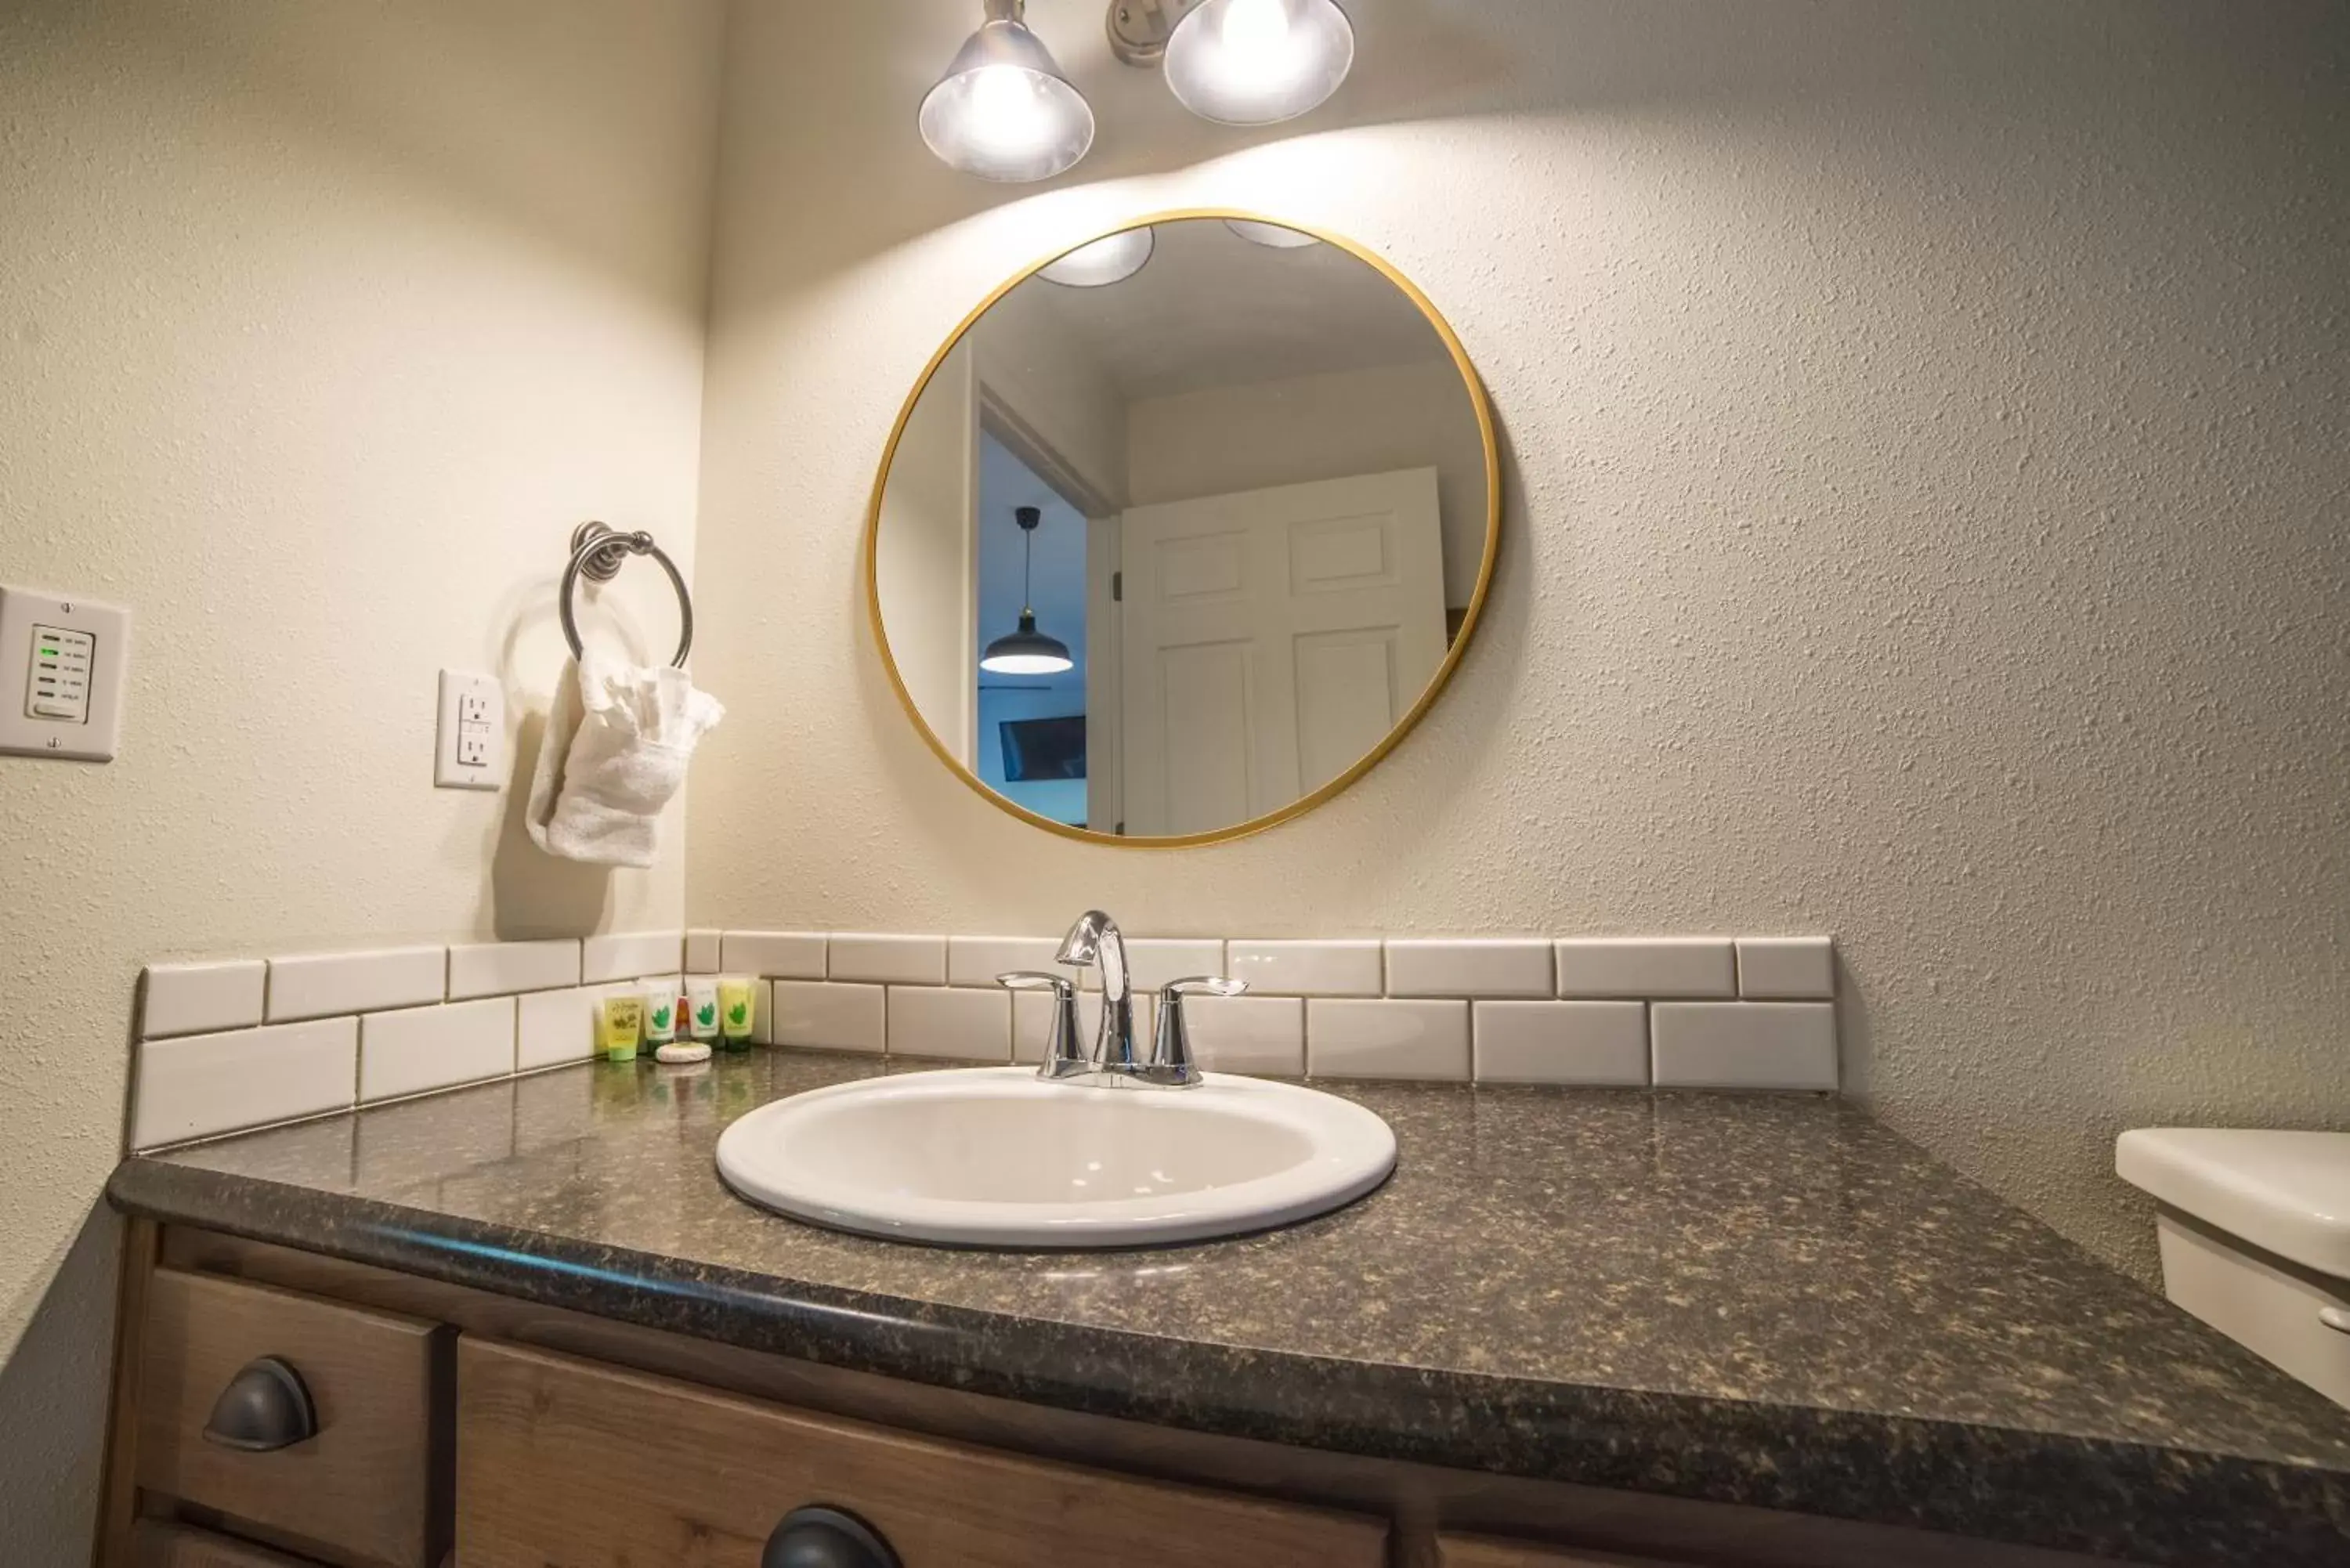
pixel 1183 529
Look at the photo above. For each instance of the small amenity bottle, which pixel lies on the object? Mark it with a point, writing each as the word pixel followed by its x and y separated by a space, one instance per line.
pixel 734 1014
pixel 660 1014
pixel 618 1021
pixel 700 1007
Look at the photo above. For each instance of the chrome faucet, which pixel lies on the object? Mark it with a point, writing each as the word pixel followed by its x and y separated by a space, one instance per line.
pixel 1095 943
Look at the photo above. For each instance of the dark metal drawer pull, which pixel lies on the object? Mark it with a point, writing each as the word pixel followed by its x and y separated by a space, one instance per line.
pixel 820 1537
pixel 266 1406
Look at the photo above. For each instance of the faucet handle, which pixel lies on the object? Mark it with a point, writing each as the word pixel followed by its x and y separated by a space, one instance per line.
pixel 1062 1057
pixel 1170 1045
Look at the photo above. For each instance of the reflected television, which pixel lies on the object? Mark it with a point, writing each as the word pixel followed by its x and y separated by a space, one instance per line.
pixel 1039 749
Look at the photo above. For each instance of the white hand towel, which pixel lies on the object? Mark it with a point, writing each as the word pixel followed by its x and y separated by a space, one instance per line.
pixel 618 740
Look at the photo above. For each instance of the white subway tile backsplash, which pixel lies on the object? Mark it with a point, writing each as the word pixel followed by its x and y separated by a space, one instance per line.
pixel 421 1048
pixel 317 985
pixel 830 1016
pixel 198 998
pixel 1152 961
pixel 898 961
pixel 624 955
pixel 1647 967
pixel 957 1023
pixel 1744 1044
pixel 1308 968
pixel 1487 966
pixel 763 1013
pixel 1562 1042
pixel 502 969
pixel 977 960
pixel 199 1085
pixel 777 955
pixel 557 1026
pixel 1681 1011
pixel 1264 1035
pixel 1786 968
pixel 1346 1038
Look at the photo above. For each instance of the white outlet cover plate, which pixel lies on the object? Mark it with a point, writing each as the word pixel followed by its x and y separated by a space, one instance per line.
pixel 469 698
pixel 96 737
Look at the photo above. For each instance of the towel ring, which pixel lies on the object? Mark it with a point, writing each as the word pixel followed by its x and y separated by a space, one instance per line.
pixel 598 551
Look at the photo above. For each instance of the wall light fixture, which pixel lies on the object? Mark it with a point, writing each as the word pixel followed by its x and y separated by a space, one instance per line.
pixel 1239 62
pixel 1004 111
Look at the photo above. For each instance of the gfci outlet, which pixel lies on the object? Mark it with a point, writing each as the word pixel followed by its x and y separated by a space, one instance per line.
pixel 470 752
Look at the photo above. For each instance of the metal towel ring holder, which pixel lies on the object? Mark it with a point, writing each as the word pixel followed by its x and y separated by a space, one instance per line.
pixel 598 551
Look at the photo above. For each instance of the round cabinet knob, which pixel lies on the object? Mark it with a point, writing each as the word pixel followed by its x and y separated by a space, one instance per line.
pixel 820 1537
pixel 266 1406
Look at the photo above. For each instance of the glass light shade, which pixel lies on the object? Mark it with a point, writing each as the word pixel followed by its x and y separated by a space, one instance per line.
pixel 1026 651
pixel 1104 262
pixel 1274 236
pixel 1252 62
pixel 1004 111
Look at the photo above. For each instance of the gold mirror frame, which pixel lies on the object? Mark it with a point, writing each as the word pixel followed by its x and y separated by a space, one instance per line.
pixel 1404 726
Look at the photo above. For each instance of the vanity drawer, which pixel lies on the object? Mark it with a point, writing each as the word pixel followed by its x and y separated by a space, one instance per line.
pixel 155 1544
pixel 561 1462
pixel 363 1486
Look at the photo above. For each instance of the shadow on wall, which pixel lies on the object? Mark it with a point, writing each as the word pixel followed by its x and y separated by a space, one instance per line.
pixel 52 1431
pixel 504 145
pixel 1418 62
pixel 532 893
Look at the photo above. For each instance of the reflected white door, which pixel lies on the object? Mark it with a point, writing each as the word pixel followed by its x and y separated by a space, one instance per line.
pixel 1271 638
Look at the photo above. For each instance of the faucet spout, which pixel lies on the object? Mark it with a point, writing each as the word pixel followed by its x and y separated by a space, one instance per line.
pixel 1095 941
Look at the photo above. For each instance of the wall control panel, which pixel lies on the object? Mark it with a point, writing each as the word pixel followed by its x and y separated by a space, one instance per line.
pixel 62 663
pixel 59 687
pixel 469 750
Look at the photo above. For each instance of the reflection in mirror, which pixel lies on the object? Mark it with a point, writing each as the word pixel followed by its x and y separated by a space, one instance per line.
pixel 1182 529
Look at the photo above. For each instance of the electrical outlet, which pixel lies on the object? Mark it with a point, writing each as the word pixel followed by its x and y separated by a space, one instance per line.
pixel 469 750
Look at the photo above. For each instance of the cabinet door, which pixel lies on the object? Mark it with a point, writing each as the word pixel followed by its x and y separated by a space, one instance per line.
pixel 361 1485
pixel 564 1464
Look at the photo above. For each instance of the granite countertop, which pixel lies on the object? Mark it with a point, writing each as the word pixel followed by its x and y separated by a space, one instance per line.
pixel 1767 1300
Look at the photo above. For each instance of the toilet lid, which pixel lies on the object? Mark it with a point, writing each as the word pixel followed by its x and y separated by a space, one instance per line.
pixel 2286 1192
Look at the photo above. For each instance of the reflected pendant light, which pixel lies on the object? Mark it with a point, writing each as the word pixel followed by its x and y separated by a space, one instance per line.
pixel 1104 262
pixel 1004 111
pixel 1253 62
pixel 1026 651
pixel 1272 236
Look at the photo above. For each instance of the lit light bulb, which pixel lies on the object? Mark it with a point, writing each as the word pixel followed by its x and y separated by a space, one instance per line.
pixel 1007 113
pixel 1256 27
pixel 1004 111
pixel 1254 62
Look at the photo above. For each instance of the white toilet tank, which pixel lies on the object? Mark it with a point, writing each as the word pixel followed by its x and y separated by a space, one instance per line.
pixel 2255 1234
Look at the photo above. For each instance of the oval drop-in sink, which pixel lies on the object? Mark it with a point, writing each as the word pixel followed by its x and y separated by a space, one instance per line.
pixel 997 1156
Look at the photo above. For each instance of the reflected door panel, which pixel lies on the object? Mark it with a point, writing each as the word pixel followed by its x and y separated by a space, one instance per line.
pixel 1270 639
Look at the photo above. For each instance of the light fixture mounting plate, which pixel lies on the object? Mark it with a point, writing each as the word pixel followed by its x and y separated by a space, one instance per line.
pixel 1138 29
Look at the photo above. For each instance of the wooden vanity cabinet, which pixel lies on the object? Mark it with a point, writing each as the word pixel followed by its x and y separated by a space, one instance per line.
pixel 456 1428
pixel 562 1462
pixel 361 1481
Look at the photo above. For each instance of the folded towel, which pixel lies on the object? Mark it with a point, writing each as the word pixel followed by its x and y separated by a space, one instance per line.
pixel 618 740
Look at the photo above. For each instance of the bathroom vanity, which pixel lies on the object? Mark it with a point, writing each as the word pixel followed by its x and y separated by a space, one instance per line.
pixel 1576 1327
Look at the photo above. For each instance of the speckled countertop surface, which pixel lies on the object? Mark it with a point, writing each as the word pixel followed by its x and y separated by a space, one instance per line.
pixel 1765 1299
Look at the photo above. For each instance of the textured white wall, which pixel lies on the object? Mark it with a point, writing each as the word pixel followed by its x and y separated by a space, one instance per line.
pixel 320 326
pixel 1926 458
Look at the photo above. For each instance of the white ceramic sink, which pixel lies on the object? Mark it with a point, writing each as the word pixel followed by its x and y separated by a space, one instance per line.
pixel 997 1156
